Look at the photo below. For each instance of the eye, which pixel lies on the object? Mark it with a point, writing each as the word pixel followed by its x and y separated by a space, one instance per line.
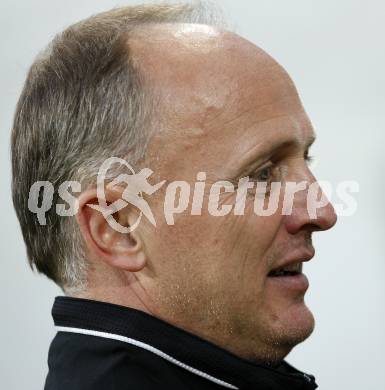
pixel 265 174
pixel 309 159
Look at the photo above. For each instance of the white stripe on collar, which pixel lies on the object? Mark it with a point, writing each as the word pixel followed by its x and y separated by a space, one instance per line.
pixel 147 347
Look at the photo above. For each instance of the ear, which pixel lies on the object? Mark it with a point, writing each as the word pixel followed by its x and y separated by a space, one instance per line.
pixel 117 249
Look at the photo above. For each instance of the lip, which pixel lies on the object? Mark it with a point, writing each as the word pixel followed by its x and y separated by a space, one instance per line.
pixel 297 283
pixel 299 257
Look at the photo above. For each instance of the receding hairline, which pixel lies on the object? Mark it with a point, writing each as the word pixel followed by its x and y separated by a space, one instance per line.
pixel 178 27
pixel 188 35
pixel 64 98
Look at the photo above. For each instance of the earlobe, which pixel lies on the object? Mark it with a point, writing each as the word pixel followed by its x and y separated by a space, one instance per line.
pixel 119 250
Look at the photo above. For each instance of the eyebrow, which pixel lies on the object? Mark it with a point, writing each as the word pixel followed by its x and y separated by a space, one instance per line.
pixel 291 143
pixel 278 147
pixel 310 141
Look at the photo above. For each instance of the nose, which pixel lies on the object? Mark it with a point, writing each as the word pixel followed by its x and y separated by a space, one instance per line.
pixel 300 218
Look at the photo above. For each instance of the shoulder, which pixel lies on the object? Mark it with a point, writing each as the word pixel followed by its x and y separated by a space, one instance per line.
pixel 83 362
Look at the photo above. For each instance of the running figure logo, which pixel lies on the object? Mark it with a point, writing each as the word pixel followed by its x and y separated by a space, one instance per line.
pixel 136 185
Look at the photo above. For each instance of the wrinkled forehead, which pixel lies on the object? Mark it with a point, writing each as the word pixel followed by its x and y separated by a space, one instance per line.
pixel 214 85
pixel 205 67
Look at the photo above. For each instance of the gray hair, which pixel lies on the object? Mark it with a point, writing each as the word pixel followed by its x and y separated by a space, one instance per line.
pixel 83 101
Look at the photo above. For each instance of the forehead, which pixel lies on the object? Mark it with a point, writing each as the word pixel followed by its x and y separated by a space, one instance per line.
pixel 220 96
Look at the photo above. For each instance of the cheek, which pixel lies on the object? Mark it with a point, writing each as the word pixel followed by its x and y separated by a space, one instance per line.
pixel 193 247
pixel 259 235
pixel 223 250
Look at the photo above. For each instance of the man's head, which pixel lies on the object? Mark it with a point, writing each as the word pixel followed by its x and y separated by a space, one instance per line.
pixel 219 105
pixel 84 101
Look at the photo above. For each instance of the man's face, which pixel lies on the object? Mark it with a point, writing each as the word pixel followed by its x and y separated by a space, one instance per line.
pixel 228 109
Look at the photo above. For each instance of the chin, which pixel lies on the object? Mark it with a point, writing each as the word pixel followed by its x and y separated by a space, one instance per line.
pixel 294 326
pixel 280 332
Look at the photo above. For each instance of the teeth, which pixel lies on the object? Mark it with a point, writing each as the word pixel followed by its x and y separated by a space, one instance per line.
pixel 296 267
pixel 291 269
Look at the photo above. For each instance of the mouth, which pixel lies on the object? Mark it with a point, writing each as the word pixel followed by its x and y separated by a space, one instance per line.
pixel 292 269
pixel 289 277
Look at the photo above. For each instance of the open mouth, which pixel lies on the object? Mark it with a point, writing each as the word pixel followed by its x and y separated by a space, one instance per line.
pixel 288 277
pixel 288 270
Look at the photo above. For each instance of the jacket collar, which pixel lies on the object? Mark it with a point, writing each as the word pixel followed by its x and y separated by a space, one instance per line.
pixel 174 344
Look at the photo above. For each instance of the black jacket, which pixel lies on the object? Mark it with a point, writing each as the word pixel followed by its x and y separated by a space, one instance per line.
pixel 101 346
